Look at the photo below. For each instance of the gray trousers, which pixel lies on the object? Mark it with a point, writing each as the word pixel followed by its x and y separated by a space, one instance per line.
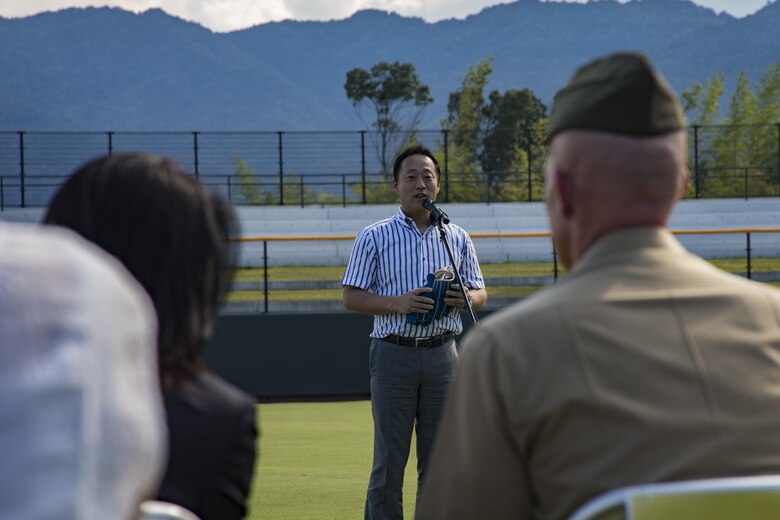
pixel 408 389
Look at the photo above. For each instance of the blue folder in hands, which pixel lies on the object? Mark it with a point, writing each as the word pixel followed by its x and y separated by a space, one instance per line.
pixel 440 282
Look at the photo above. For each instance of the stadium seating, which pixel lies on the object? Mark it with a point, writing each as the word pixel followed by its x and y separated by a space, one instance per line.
pixel 478 218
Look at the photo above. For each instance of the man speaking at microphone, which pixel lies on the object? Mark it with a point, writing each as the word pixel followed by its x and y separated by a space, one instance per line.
pixel 399 272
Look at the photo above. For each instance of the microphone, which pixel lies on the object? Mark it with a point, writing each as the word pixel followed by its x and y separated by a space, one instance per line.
pixel 437 215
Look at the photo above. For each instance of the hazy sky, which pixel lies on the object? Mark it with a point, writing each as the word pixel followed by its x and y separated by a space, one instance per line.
pixel 229 15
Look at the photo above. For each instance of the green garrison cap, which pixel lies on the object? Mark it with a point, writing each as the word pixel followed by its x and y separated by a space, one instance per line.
pixel 619 93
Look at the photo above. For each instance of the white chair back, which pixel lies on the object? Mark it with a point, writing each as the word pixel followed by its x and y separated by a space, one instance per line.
pixel 157 510
pixel 735 498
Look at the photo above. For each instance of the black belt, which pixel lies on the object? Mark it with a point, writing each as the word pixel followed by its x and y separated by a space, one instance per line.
pixel 432 341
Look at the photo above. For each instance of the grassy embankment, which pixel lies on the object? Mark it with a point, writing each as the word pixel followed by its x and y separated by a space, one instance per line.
pixel 508 270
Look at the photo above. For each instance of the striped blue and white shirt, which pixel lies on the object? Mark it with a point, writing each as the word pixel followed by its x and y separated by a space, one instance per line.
pixel 391 257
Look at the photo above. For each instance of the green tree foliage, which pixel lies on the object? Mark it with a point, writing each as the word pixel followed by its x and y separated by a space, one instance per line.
pixel 701 103
pixel 763 142
pixel 738 156
pixel 251 186
pixel 463 126
pixel 510 145
pixel 379 190
pixel 465 110
pixel 397 99
pixel 492 145
pixel 295 192
pixel 768 96
pixel 731 145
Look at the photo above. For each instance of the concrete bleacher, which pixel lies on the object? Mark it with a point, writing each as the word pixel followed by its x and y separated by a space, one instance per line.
pixel 329 221
pixel 499 218
pixel 478 218
pixel 495 218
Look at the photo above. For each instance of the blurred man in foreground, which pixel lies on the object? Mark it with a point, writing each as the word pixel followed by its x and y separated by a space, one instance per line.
pixel 82 427
pixel 645 364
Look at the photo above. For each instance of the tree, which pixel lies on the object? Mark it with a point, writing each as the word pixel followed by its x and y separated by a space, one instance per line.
pixel 746 149
pixel 294 191
pixel 738 156
pixel 763 140
pixel 768 95
pixel 463 127
pixel 732 144
pixel 251 186
pixel 397 98
pixel 465 110
pixel 512 120
pixel 701 105
pixel 491 143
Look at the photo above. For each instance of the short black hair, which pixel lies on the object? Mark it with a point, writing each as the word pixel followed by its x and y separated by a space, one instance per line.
pixel 416 149
pixel 172 235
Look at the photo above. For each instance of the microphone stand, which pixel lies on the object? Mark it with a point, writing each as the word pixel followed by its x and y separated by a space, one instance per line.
pixel 443 236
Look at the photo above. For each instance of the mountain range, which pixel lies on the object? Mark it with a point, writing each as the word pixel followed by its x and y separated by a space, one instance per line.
pixel 106 69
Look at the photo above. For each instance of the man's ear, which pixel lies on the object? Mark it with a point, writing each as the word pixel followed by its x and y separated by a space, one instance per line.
pixel 682 183
pixel 564 191
pixel 395 184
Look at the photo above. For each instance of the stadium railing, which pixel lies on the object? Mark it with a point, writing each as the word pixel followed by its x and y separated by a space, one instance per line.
pixel 303 273
pixel 346 167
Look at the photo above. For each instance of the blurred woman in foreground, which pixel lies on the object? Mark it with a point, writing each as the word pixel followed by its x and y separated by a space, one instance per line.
pixel 173 237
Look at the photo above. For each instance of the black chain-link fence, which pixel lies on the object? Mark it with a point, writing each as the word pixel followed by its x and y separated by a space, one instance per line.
pixel 345 168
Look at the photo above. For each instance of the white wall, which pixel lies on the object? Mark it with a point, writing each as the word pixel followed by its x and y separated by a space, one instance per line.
pixel 329 221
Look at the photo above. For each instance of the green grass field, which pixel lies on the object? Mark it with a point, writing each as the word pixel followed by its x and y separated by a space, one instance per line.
pixel 315 460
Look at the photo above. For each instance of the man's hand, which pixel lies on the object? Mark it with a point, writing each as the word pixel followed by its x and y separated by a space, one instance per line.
pixel 414 301
pixel 454 297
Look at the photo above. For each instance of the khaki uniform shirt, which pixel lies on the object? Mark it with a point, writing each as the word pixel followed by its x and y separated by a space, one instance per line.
pixel 645 364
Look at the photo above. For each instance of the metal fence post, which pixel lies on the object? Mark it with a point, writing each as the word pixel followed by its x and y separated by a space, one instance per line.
pixel 778 157
pixel 555 261
pixel 529 155
pixel 281 168
pixel 265 275
pixel 696 160
pixel 748 251
pixel 21 168
pixel 446 166
pixel 363 163
pixel 110 136
pixel 196 154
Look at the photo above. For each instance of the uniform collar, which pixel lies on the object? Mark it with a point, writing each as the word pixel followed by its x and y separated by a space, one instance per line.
pixel 620 246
